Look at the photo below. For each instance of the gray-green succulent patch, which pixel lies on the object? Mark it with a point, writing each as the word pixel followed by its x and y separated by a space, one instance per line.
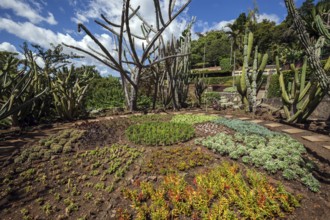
pixel 193 119
pixel 245 127
pixel 274 153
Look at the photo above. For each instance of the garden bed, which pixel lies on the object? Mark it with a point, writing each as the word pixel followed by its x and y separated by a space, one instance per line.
pixel 95 171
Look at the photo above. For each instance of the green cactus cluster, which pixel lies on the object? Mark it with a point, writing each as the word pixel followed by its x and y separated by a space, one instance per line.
pixel 200 87
pixel 16 80
pixel 249 83
pixel 69 89
pixel 299 98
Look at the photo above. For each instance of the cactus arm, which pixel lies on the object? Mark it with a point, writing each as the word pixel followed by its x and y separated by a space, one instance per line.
pixel 303 75
pixel 285 96
pixel 321 27
pixel 303 93
pixel 327 65
pixel 295 79
pixel 286 111
pixel 7 111
pixel 250 43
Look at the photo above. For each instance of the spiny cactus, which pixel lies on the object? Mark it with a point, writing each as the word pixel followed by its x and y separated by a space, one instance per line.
pixel 299 98
pixel 14 85
pixel 249 83
pixel 174 83
pixel 321 75
pixel 200 87
pixel 69 90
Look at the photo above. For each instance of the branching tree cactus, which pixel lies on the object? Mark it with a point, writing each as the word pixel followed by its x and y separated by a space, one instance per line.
pixel 249 83
pixel 129 60
pixel 175 70
pixel 300 98
pixel 69 89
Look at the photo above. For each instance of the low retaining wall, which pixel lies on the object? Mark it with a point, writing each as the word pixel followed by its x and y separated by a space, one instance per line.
pixel 322 112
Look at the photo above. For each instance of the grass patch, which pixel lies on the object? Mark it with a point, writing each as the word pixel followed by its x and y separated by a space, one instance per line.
pixel 169 160
pixel 223 192
pixel 193 119
pixel 159 133
pixel 273 153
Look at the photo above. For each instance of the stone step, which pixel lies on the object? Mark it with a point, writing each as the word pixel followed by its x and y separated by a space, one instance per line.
pixel 293 131
pixel 273 125
pixel 317 138
pixel 256 121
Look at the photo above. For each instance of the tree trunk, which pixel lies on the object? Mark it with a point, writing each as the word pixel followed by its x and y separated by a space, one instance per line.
pixel 154 98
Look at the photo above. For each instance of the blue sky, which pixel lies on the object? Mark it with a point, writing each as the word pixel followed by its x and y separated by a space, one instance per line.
pixel 54 21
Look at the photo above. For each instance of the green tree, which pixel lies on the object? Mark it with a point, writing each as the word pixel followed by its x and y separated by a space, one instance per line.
pixel 216 44
pixel 105 92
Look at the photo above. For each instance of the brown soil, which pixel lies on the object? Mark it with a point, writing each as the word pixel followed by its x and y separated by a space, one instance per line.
pixel 104 132
pixel 109 205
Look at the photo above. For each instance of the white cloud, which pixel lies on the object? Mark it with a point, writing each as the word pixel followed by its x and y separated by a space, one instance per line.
pixel 222 25
pixel 23 9
pixel 44 37
pixel 206 27
pixel 271 17
pixel 5 46
pixel 113 9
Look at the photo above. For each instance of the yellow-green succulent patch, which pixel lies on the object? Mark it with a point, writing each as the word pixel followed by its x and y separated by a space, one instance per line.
pixel 223 192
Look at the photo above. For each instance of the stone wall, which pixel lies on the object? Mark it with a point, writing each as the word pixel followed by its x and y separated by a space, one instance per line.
pixel 322 112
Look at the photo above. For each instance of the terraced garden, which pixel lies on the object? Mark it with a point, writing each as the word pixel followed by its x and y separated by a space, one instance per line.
pixel 163 167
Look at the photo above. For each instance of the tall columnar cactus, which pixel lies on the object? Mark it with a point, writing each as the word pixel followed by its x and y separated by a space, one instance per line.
pixel 249 83
pixel 69 89
pixel 15 83
pixel 322 75
pixel 299 98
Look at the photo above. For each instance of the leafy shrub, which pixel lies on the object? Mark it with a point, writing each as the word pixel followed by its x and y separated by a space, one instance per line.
pixel 230 89
pixel 245 127
pixel 273 153
pixel 105 93
pixel 144 102
pixel 210 97
pixel 223 192
pixel 274 89
pixel 225 64
pixel 193 119
pixel 224 81
pixel 201 65
pixel 159 133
